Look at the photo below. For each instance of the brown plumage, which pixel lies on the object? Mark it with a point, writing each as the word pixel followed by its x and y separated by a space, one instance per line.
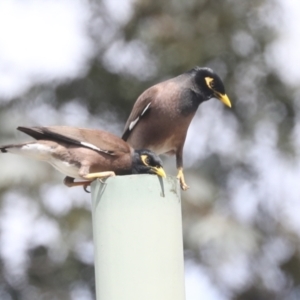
pixel 86 154
pixel 160 117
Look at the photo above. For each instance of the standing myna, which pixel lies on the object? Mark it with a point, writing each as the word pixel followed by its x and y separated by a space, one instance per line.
pixel 162 114
pixel 85 153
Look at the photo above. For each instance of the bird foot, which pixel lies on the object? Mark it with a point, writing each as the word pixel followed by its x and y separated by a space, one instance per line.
pixel 184 186
pixel 69 182
pixel 99 175
pixel 180 176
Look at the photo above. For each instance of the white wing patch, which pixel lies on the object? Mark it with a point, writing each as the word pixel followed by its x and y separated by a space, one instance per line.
pixel 132 124
pixel 91 146
pixel 145 109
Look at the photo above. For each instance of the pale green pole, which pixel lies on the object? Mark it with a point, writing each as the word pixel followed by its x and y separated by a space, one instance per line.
pixel 137 230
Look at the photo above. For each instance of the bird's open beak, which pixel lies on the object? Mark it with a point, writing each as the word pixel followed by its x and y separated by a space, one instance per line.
pixel 224 98
pixel 159 171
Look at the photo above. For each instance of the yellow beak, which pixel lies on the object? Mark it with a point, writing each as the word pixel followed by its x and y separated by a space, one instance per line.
pixel 224 98
pixel 159 171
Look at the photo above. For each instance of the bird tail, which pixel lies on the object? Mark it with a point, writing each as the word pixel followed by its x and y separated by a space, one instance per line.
pixel 39 150
pixel 3 149
pixel 10 148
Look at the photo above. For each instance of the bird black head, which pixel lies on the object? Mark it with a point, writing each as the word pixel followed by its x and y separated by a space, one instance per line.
pixel 210 84
pixel 147 162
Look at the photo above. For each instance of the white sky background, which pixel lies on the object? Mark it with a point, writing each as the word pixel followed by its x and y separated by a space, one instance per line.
pixel 284 55
pixel 29 56
pixel 41 41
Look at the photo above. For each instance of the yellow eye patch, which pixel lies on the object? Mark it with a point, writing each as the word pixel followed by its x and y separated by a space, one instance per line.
pixel 210 82
pixel 145 160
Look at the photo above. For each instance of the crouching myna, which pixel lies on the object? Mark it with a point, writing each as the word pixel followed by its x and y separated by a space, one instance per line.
pixel 162 114
pixel 86 154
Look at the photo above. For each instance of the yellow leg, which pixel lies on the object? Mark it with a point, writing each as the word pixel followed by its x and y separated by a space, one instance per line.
pixel 69 181
pixel 180 176
pixel 100 175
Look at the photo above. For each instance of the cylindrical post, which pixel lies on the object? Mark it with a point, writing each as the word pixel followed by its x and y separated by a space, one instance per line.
pixel 137 230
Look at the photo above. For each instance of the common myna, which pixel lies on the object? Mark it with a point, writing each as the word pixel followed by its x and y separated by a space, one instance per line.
pixel 162 114
pixel 86 154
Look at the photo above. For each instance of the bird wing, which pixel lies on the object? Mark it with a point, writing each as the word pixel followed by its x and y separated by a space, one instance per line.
pixel 140 108
pixel 94 139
